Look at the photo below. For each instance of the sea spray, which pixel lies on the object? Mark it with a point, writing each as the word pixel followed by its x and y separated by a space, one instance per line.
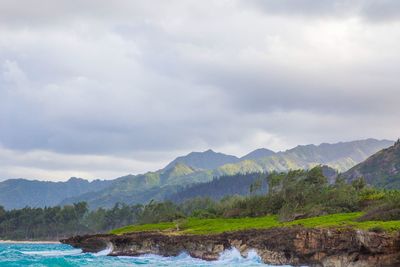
pixel 233 256
pixel 53 253
pixel 64 255
pixel 104 252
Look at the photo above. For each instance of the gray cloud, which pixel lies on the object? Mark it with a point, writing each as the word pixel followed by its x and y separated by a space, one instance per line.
pixel 95 82
pixel 379 11
pixel 370 10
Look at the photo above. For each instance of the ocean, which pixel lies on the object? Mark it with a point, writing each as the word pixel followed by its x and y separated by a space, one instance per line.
pixel 59 255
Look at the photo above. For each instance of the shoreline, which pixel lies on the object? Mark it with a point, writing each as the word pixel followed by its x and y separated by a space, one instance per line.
pixel 28 242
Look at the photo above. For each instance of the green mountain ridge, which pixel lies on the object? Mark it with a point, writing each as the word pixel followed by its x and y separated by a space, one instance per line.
pixel 142 188
pixel 206 160
pixel 381 169
pixel 341 156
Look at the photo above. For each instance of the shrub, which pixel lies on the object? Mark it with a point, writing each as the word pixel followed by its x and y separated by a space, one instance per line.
pixel 376 229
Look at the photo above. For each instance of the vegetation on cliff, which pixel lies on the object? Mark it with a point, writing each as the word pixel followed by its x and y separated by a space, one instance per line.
pixel 220 225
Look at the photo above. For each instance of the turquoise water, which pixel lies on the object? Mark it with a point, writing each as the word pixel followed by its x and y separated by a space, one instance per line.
pixel 39 255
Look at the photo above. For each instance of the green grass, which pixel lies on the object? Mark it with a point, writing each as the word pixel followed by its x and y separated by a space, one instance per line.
pixel 220 225
pixel 332 220
pixel 214 226
pixel 143 228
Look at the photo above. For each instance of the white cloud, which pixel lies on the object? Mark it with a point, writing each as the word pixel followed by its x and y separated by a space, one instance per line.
pixel 38 164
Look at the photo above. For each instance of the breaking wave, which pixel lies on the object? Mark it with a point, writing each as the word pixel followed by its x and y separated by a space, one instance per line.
pixel 63 255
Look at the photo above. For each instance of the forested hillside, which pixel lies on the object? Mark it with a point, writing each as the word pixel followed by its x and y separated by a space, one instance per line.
pixel 134 189
pixel 238 184
pixel 381 169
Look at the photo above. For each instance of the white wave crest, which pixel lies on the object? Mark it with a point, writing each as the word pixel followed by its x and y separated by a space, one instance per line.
pixel 54 253
pixel 104 252
pixel 233 256
pixel 229 257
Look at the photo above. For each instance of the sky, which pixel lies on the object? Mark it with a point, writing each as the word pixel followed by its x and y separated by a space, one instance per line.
pixel 100 89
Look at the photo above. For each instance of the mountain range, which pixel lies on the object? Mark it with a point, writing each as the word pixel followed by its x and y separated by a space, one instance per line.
pixel 194 168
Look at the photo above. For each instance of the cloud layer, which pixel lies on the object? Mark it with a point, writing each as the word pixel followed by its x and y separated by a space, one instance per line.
pixel 105 88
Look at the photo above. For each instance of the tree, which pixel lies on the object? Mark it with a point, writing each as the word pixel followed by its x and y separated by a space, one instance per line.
pixel 274 181
pixel 256 186
pixel 359 183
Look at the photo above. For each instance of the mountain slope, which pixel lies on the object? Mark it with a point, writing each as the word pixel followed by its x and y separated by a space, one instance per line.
pixel 207 160
pixel 142 188
pixel 18 193
pixel 381 169
pixel 340 156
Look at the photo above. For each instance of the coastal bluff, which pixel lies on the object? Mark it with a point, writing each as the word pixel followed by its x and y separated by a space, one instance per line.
pixel 279 246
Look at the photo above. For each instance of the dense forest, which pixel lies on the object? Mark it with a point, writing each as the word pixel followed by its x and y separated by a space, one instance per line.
pixel 292 195
pixel 226 185
pixel 53 223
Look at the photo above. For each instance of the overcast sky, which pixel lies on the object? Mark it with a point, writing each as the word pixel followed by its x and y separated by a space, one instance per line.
pixel 99 89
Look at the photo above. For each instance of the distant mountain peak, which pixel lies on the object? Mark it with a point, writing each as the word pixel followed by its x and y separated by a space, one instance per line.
pixel 76 179
pixel 258 153
pixel 207 160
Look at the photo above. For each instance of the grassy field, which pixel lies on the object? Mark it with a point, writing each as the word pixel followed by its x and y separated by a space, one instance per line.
pixel 214 226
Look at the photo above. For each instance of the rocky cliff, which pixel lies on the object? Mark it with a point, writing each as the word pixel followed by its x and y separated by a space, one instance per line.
pixel 292 246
